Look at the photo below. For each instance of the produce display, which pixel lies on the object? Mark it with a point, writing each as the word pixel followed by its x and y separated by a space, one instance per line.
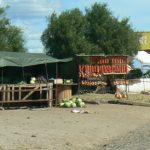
pixel 72 103
pixel 93 83
pixel 89 75
pixel 39 79
pixel 33 80
pixel 93 71
pixel 121 82
pixel 121 95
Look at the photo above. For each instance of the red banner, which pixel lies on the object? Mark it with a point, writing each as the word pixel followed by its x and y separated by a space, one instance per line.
pixel 103 69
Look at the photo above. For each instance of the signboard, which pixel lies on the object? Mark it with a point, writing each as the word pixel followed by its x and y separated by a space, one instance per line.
pixel 103 69
pixel 145 41
pixel 104 65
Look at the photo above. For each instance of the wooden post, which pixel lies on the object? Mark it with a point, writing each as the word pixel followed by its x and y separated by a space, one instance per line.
pixel 4 93
pixel 40 91
pixel 2 75
pixel 56 90
pixel 12 93
pixel 19 92
pixel 49 92
pixel 8 93
pixel 126 78
pixel 50 95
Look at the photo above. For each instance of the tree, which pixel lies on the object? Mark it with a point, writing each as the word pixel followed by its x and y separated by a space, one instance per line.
pixel 95 32
pixel 109 34
pixel 11 37
pixel 65 34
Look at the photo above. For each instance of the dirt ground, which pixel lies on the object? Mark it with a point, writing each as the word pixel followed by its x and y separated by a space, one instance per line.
pixel 59 129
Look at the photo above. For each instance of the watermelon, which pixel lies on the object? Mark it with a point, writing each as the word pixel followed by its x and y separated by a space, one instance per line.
pixel 81 104
pixel 65 100
pixel 61 104
pixel 78 100
pixel 71 101
pixel 73 105
pixel 74 100
pixel 67 104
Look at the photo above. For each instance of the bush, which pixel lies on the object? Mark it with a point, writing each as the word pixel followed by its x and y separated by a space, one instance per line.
pixel 136 73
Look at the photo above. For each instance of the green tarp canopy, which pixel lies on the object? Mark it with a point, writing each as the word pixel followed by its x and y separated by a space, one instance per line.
pixel 19 59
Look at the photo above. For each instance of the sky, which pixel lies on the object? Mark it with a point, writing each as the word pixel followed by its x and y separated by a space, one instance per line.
pixel 31 15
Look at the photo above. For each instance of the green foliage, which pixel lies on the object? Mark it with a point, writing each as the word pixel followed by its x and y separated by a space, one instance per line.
pixel 97 31
pixel 64 35
pixel 11 37
pixel 109 34
pixel 147 74
pixel 136 73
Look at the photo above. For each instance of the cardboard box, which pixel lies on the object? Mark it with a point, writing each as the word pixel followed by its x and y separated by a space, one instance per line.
pixel 58 81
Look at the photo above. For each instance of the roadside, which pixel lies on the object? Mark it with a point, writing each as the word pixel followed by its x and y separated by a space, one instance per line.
pixel 58 128
pixel 133 99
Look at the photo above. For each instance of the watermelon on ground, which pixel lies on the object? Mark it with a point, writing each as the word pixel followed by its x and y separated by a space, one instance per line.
pixel 73 105
pixel 81 104
pixel 61 104
pixel 67 104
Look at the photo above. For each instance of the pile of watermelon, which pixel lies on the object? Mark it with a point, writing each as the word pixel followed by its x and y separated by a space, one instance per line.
pixel 72 103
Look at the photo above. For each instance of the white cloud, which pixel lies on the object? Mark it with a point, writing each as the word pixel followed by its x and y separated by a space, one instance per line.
pixel 36 50
pixel 35 36
pixel 33 43
pixel 32 32
pixel 30 15
pixel 2 3
pixel 31 8
pixel 137 10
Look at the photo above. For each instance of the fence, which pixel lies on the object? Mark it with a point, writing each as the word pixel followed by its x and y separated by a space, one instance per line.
pixel 15 93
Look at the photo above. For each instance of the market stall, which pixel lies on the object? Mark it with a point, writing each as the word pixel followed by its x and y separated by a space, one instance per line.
pixel 37 90
pixel 100 74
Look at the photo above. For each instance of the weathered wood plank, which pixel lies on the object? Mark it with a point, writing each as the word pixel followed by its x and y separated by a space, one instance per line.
pixel 20 92
pixel 50 90
pixel 31 92
pixel 4 93
pixel 25 101
pixel 8 93
pixel 12 93
pixel 12 98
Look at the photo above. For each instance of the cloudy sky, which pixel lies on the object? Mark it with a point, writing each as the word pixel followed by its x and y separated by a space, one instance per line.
pixel 31 15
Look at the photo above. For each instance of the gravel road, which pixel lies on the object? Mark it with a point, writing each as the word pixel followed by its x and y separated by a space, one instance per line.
pixel 138 139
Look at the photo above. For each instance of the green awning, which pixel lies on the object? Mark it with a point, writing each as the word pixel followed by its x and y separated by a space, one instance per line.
pixel 19 59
